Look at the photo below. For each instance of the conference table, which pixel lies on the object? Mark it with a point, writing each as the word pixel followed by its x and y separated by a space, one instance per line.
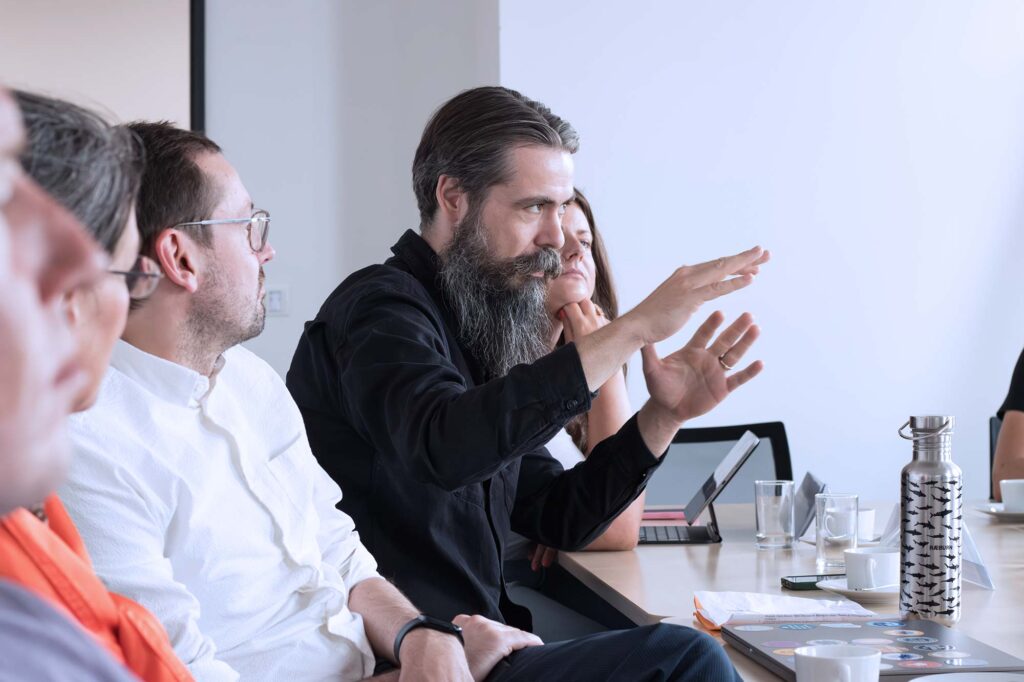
pixel 654 582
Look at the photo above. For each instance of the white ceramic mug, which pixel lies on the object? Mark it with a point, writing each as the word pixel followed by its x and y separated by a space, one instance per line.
pixel 1013 494
pixel 837 663
pixel 872 567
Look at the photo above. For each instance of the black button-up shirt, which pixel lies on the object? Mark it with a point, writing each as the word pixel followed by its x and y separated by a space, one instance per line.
pixel 437 462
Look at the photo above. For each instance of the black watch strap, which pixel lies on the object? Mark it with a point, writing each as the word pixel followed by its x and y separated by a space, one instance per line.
pixel 429 622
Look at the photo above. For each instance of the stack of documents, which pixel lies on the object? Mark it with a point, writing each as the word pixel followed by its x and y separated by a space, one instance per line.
pixel 715 609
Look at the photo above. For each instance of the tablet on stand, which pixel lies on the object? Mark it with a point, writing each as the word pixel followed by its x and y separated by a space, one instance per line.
pixel 707 532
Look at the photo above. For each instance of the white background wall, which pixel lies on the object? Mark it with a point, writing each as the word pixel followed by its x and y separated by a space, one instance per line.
pixel 319 105
pixel 877 148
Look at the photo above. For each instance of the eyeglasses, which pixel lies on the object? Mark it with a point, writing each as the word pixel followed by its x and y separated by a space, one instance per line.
pixel 259 227
pixel 142 279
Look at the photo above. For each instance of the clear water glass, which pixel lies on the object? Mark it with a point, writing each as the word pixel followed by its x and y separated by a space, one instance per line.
pixel 836 529
pixel 773 513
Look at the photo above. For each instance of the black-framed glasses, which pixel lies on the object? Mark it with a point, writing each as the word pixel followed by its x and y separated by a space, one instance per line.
pixel 259 227
pixel 142 279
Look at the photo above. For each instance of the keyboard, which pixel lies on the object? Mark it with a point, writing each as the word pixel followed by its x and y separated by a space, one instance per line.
pixel 654 535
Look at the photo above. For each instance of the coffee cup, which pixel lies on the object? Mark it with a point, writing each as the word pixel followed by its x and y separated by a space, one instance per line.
pixel 1013 494
pixel 837 663
pixel 870 568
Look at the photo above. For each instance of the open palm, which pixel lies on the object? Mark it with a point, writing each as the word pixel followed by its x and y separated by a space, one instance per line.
pixel 693 380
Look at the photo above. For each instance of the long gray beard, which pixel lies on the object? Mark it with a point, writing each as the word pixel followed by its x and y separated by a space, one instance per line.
pixel 500 307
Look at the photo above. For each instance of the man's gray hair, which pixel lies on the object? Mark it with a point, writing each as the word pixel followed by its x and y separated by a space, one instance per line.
pixel 91 167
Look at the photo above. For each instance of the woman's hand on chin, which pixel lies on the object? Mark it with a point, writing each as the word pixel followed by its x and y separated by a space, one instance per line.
pixel 580 319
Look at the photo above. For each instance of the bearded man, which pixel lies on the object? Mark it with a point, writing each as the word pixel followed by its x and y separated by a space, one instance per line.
pixel 428 392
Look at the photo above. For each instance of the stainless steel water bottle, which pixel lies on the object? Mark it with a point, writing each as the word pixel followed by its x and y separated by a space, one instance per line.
pixel 931 519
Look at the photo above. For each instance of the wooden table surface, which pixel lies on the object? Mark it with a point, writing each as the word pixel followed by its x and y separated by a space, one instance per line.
pixel 654 582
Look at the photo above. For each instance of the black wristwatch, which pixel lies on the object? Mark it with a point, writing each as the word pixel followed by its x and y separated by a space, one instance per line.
pixel 422 621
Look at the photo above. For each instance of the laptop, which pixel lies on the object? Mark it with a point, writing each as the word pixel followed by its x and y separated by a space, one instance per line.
pixel 706 494
pixel 910 648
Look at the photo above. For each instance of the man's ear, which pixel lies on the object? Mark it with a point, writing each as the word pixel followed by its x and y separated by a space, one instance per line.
pixel 452 200
pixel 73 306
pixel 176 253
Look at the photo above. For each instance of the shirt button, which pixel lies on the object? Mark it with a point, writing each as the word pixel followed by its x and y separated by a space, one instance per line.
pixel 571 404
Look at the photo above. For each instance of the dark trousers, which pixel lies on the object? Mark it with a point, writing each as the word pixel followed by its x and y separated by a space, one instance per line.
pixel 644 654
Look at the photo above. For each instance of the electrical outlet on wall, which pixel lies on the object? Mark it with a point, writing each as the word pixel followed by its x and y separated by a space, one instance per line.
pixel 276 301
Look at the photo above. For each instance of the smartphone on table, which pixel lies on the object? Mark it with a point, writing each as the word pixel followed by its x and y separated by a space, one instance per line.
pixel 807 582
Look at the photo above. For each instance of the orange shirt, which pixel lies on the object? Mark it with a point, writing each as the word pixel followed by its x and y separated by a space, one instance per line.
pixel 50 560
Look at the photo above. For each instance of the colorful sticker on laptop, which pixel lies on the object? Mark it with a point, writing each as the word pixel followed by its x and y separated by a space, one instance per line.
pixel 752 628
pixel 891 649
pixel 902 657
pixel 886 623
pixel 904 633
pixel 918 640
pixel 796 626
pixel 824 642
pixel 783 652
pixel 934 647
pixel 920 664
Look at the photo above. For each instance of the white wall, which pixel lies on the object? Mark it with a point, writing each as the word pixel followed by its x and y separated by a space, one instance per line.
pixel 877 148
pixel 319 105
pixel 123 58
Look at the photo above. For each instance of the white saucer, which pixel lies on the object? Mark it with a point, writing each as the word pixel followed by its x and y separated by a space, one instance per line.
pixel 838 586
pixel 871 542
pixel 996 509
pixel 971 677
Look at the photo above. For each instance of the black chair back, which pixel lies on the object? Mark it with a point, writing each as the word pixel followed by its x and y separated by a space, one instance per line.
pixel 994 424
pixel 696 452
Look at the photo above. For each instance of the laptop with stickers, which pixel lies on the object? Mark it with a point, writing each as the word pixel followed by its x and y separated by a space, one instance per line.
pixel 910 648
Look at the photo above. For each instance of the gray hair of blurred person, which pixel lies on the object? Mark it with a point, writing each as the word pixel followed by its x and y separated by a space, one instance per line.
pixel 91 167
pixel 469 139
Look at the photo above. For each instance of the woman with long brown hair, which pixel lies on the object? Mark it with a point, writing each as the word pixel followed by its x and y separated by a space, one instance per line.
pixel 581 300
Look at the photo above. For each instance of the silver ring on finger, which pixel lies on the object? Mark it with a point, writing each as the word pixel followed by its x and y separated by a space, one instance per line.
pixel 725 365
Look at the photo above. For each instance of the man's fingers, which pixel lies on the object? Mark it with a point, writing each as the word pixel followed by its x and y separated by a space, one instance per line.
pixel 728 338
pixel 720 268
pixel 520 639
pixel 754 267
pixel 702 337
pixel 733 355
pixel 743 376
pixel 549 557
pixel 460 619
pixel 726 286
pixel 649 356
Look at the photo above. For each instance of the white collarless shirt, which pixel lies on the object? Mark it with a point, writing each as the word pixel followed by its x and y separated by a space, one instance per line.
pixel 201 499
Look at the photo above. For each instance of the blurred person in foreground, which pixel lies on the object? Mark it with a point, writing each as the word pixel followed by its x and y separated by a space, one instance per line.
pixel 69 313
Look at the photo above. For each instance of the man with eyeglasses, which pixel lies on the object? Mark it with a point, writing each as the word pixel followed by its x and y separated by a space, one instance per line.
pixel 193 484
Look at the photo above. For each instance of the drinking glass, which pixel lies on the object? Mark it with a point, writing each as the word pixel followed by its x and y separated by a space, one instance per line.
pixel 773 513
pixel 836 527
